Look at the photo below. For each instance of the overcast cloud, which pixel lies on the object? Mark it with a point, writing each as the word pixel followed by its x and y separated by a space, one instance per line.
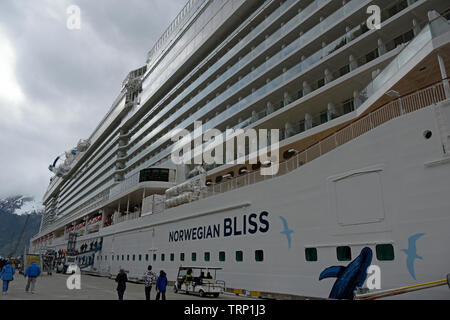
pixel 57 84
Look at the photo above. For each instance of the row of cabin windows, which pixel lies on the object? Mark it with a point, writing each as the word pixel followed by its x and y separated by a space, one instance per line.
pixel 239 257
pixel 384 252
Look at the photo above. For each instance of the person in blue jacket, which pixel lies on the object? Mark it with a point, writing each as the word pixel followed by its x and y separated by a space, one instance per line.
pixel 33 272
pixel 7 275
pixel 161 285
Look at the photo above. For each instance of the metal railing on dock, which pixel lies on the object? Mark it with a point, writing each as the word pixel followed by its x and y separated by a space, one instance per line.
pixel 403 290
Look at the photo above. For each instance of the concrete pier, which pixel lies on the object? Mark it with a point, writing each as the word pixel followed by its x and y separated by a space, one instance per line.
pixel 92 288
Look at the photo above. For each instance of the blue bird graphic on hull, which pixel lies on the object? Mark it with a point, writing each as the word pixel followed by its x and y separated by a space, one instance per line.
pixel 287 232
pixel 349 278
pixel 411 253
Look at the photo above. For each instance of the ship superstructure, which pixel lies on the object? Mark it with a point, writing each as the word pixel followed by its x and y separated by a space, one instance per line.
pixel 355 108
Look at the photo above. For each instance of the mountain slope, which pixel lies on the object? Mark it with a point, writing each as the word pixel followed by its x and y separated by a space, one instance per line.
pixel 13 213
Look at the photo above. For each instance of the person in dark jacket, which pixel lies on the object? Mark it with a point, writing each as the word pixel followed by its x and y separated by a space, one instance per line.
pixel 32 272
pixel 121 280
pixel 161 285
pixel 7 275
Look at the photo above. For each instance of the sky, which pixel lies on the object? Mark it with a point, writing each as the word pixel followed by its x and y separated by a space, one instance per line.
pixel 57 82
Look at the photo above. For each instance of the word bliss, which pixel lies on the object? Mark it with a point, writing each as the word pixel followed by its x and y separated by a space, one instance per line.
pixel 237 226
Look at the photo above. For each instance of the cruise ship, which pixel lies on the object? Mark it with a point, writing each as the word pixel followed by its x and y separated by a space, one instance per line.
pixel 362 179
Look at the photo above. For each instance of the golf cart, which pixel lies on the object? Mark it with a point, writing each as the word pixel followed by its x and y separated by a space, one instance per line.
pixel 199 281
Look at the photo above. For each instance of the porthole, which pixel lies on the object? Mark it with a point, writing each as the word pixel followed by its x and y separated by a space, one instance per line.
pixel 428 134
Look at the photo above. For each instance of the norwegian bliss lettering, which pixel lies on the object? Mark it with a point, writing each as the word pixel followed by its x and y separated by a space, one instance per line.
pixel 236 226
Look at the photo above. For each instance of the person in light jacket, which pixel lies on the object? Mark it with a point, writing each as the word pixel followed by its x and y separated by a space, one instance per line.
pixel 161 285
pixel 7 275
pixel 149 280
pixel 32 272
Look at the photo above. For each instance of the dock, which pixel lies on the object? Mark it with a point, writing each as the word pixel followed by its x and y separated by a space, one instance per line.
pixel 92 288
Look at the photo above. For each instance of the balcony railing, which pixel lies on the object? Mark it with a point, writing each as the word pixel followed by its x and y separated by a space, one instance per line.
pixel 404 105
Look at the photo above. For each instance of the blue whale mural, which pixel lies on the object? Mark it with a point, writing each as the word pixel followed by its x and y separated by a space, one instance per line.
pixel 349 278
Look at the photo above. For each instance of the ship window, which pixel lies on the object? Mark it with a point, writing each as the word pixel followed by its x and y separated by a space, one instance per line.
pixel 259 255
pixel 321 83
pixel 344 253
pixel 154 257
pixel 172 257
pixel 408 36
pixel 348 106
pixel 311 254
pixel 194 256
pixel 344 70
pixel 128 257
pixel 140 257
pixel 372 55
pixel 323 117
pixel 123 257
pixel 117 258
pixel 154 175
pixel 239 256
pixel 385 252
pixel 222 256
pixel 163 257
pixel 207 256
pixel 106 258
pixel 134 257
pixel 256 166
pixel 181 256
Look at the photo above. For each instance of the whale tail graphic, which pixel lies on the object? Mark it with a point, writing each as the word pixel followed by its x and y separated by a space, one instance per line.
pixel 350 277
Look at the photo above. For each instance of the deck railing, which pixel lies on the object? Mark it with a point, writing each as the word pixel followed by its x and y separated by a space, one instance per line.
pixel 394 109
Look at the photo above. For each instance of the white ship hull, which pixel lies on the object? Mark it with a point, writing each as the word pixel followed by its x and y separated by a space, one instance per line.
pixel 381 188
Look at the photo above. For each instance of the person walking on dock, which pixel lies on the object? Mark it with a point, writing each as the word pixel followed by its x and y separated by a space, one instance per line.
pixel 121 280
pixel 7 275
pixel 161 285
pixel 149 280
pixel 32 272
